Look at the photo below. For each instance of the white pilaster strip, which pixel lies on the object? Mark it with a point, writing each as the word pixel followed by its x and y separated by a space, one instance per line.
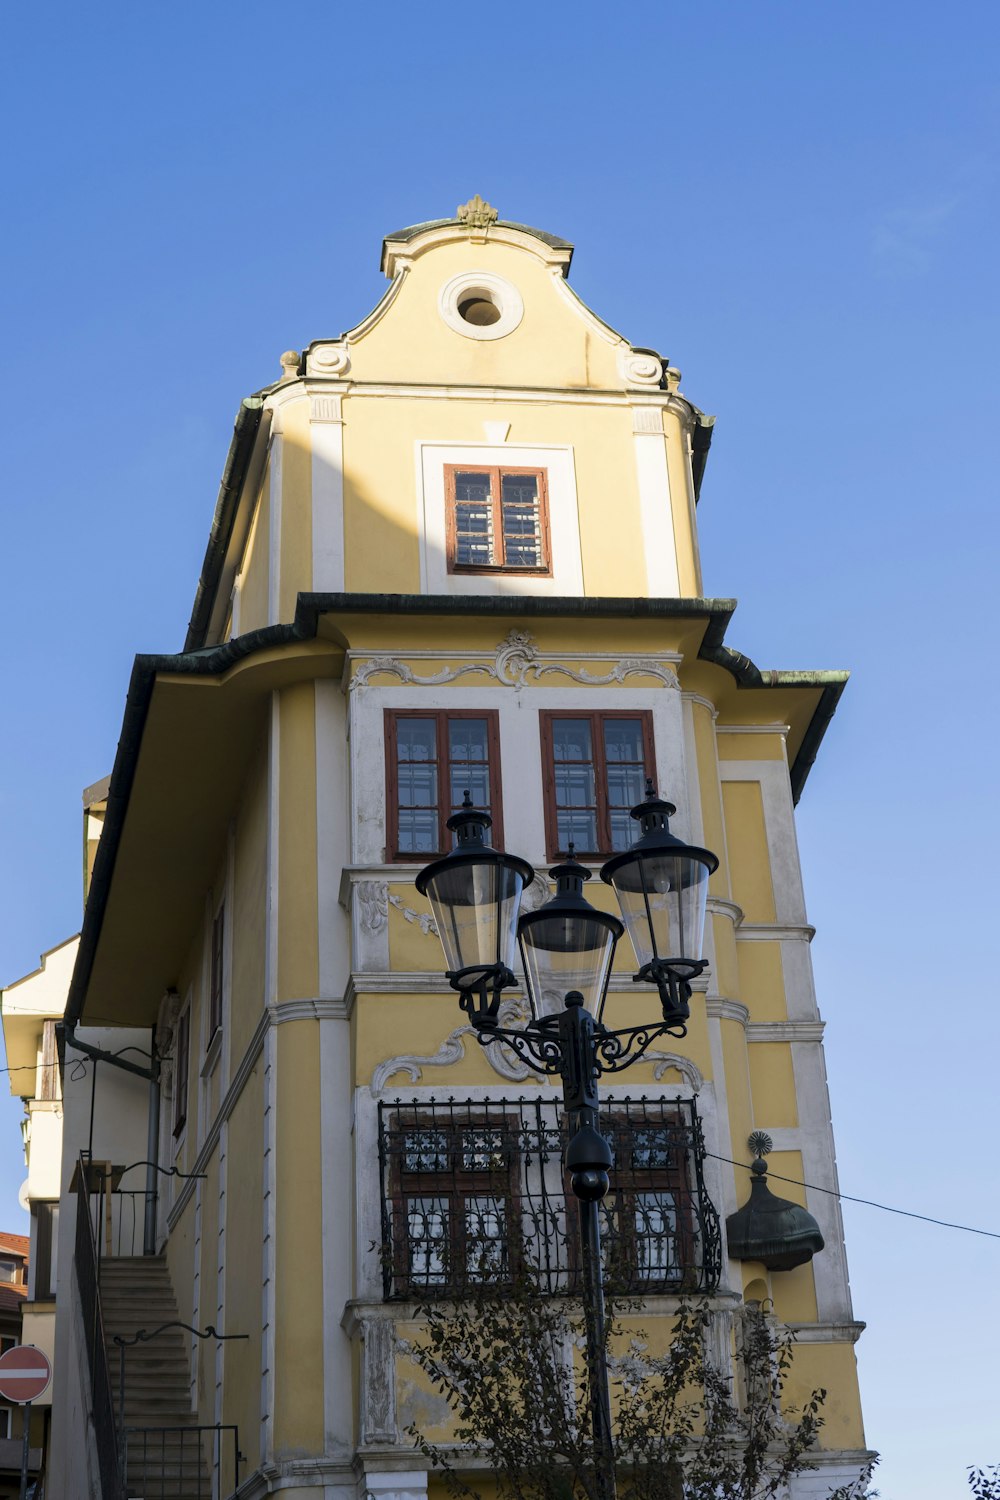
pixel 337 1193
pixel 196 1296
pixel 654 502
pixel 271 912
pixel 267 1288
pixel 267 1311
pixel 234 605
pixel 326 431
pixel 333 850
pixel 220 1271
pixel 225 1061
pixel 274 533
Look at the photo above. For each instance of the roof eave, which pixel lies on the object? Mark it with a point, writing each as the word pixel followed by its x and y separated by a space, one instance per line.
pixel 311 607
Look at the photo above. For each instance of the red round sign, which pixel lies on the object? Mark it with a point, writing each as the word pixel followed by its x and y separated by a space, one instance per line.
pixel 24 1373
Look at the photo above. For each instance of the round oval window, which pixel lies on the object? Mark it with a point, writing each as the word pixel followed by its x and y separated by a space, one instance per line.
pixel 479 310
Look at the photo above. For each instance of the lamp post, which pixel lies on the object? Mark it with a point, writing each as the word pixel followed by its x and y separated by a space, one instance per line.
pixel 567 949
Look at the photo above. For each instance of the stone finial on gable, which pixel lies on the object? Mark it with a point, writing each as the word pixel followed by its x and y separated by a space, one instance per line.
pixel 476 214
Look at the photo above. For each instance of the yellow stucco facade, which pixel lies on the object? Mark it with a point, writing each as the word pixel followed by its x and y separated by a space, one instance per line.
pixel 282 939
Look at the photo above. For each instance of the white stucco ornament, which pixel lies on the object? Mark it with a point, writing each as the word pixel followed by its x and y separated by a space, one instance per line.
pixel 476 214
pixel 516 663
pixel 514 1011
pixel 641 367
pixel 331 360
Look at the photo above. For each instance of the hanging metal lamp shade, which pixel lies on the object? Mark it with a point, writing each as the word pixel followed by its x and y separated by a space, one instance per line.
pixel 662 887
pixel 567 945
pixel 475 895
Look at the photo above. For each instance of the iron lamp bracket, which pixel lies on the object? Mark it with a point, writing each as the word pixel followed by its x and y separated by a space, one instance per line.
pixel 672 977
pixel 480 988
pixel 540 1047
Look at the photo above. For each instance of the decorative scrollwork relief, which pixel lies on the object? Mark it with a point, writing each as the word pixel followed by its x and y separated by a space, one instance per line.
pixel 516 662
pixel 641 367
pixel 513 1012
pixel 516 657
pixel 501 1058
pixel 328 359
pixel 423 919
pixel 379 1384
pixel 372 897
pixel 534 896
pixel 664 1061
pixel 451 1050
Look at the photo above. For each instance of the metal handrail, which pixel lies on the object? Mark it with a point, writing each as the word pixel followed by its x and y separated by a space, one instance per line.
pixel 87 1261
pixel 142 1336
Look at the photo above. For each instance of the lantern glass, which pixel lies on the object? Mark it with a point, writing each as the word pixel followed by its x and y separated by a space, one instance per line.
pixel 662 895
pixel 563 951
pixel 475 904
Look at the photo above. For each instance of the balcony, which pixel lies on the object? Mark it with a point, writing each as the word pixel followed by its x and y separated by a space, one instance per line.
pixel 474 1192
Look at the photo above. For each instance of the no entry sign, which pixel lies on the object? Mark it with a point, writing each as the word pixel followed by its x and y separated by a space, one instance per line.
pixel 24 1373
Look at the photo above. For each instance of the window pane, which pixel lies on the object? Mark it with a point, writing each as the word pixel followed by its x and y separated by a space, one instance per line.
pixel 626 769
pixel 577 828
pixel 467 739
pixel 574 786
pixel 472 486
pixel 623 830
pixel 416 739
pixel 473 520
pixel 519 489
pixel 522 527
pixel 425 1151
pixel 655 1235
pixel 472 779
pixel 427 1239
pixel 468 742
pixel 625 785
pixel 485 1238
pixel 623 740
pixel 418 831
pixel 651 1147
pixel 483 1149
pixel 571 739
pixel 417 785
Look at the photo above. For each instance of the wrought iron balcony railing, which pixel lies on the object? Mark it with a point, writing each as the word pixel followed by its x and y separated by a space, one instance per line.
pixel 472 1190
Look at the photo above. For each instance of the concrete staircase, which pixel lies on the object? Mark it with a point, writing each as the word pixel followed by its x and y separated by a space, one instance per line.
pixel 162 1464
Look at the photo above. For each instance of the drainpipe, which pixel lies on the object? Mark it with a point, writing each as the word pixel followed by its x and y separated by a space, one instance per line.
pixel 152 1076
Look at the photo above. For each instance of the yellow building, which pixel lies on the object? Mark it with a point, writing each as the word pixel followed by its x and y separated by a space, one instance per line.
pixel 454 548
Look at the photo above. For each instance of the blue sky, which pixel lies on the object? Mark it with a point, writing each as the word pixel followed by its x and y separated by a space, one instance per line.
pixel 798 204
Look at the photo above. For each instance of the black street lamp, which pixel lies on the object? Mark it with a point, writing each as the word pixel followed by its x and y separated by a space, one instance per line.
pixel 567 949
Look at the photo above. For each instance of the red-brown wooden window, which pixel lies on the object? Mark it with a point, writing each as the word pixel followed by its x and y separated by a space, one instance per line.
pixel 182 1045
pixel 595 767
pixel 648 1233
pixel 218 973
pixel 454 1203
pixel 497 520
pixel 432 760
